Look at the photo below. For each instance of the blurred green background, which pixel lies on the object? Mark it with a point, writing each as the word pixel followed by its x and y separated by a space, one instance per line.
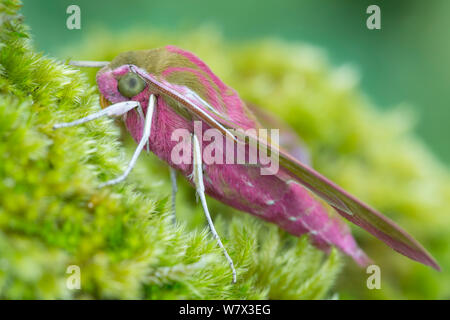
pixel 407 61
pixel 371 154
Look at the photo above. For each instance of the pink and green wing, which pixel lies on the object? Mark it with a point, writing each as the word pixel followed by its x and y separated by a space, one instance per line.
pixel 357 211
pixel 227 111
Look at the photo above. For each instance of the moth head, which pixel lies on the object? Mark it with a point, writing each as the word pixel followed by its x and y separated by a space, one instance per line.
pixel 117 83
pixel 121 84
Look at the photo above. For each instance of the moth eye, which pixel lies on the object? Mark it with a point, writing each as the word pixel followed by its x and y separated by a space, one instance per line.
pixel 130 85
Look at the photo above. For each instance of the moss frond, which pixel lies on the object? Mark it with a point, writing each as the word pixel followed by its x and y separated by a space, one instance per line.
pixel 53 215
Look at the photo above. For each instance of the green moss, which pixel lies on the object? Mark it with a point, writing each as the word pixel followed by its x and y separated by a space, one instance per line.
pixel 53 215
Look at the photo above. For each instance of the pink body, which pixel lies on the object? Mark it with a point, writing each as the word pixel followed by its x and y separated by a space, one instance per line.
pixel 287 204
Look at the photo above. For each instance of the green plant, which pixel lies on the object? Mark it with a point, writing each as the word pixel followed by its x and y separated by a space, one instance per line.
pixel 53 215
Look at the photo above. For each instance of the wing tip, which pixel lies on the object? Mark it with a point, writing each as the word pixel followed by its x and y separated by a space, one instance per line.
pixel 428 260
pixel 413 250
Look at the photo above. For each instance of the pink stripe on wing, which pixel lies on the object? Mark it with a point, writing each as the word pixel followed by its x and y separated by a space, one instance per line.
pixel 196 60
pixel 213 99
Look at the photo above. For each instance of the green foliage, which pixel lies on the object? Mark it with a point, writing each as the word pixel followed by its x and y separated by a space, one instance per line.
pixel 373 154
pixel 53 215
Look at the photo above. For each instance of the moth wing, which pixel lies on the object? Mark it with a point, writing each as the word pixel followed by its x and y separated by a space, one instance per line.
pixel 357 211
pixel 189 99
pixel 289 139
pixel 345 204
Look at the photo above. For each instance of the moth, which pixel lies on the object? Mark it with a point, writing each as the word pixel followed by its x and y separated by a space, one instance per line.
pixel 161 91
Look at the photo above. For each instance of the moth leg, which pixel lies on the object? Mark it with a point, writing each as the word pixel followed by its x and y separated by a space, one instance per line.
pixel 140 147
pixel 197 175
pixel 116 109
pixel 140 113
pixel 173 179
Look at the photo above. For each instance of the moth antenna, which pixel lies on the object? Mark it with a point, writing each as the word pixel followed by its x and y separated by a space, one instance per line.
pixel 89 64
pixel 173 179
